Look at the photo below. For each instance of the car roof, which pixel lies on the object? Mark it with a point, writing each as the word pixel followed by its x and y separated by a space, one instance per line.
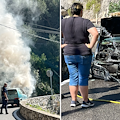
pixel 13 89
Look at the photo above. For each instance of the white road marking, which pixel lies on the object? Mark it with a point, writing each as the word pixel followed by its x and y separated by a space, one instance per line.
pixel 64 82
pixel 15 115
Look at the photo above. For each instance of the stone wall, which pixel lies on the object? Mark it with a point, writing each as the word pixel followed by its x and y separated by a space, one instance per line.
pixel 89 14
pixel 30 113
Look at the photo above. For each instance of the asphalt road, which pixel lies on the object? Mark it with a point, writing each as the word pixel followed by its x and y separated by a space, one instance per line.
pixel 10 111
pixel 98 89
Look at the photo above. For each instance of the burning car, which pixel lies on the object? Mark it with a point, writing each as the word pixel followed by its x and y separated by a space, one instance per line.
pixel 106 62
pixel 15 95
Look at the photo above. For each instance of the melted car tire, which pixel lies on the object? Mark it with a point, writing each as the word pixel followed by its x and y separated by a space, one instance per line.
pixel 98 70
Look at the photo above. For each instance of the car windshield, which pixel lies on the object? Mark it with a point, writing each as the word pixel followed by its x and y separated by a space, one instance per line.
pixel 116 39
pixel 111 41
pixel 12 92
pixel 21 92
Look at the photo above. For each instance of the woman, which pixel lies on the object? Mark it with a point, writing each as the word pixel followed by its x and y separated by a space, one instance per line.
pixel 77 52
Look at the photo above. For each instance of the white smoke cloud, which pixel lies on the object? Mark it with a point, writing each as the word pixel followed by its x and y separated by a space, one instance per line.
pixel 21 4
pixel 18 7
pixel 15 68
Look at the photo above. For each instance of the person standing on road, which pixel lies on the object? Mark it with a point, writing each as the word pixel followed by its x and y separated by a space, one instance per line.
pixel 4 98
pixel 77 52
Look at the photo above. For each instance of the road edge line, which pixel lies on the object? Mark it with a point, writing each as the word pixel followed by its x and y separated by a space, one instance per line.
pixel 15 115
pixel 101 100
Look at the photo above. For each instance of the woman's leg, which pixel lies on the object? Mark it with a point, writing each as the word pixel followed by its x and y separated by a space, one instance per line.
pixel 83 69
pixel 84 92
pixel 73 92
pixel 73 84
pixel 73 75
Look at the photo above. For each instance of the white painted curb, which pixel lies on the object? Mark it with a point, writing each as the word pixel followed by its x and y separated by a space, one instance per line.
pixel 15 115
pixel 64 82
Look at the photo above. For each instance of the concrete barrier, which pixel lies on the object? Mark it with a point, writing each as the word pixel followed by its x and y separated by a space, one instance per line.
pixel 30 113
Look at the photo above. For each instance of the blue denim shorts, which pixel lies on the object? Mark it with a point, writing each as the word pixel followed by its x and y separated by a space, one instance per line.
pixel 79 69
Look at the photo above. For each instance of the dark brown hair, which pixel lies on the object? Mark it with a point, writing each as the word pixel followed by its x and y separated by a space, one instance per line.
pixel 76 8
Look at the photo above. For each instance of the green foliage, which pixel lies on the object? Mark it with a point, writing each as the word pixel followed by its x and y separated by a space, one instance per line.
pixel 51 17
pixel 28 29
pixel 114 7
pixel 44 54
pixel 51 50
pixel 43 88
pixel 97 5
pixel 97 8
pixel 35 59
pixel 42 6
pixel 39 108
pixel 90 4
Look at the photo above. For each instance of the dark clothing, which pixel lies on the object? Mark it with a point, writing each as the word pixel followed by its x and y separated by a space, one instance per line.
pixel 4 90
pixel 4 101
pixel 4 104
pixel 76 35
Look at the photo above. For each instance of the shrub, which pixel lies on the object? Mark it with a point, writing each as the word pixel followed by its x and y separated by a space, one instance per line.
pixel 90 4
pixel 97 5
pixel 97 8
pixel 114 7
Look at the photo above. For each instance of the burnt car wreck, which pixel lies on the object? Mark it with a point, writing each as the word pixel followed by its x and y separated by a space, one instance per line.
pixel 106 62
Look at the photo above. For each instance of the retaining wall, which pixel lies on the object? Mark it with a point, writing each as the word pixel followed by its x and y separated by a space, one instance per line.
pixel 30 113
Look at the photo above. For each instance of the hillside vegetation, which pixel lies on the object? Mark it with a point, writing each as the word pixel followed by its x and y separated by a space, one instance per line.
pixel 93 7
pixel 44 52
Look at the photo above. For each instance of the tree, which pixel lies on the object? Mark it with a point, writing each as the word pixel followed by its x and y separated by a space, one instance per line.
pixel 44 54
pixel 114 7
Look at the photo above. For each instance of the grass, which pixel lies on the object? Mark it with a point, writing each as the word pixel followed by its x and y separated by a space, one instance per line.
pixel 39 108
pixel 46 110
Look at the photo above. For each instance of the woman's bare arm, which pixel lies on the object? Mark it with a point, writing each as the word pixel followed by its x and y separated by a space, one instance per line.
pixel 93 31
pixel 62 45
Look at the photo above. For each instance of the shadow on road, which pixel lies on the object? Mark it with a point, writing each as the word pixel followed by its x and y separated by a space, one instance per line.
pixel 64 94
pixel 74 110
pixel 110 90
pixel 103 89
pixel 113 97
pixel 12 107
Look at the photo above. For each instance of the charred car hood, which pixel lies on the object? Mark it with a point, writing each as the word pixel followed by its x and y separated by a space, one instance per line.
pixel 112 25
pixel 106 64
pixel 108 48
